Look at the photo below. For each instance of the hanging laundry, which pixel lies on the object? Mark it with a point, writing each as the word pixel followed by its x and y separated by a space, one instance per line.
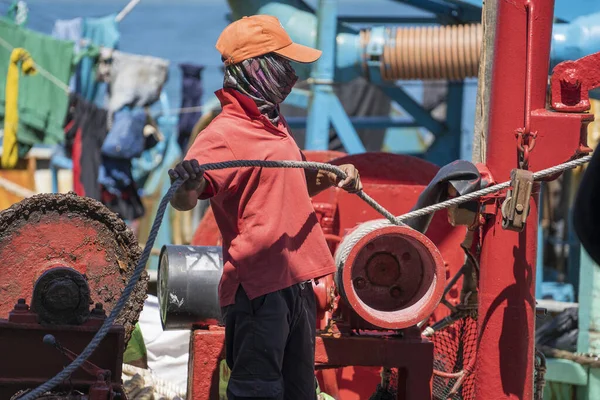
pixel 135 80
pixel 18 12
pixel 85 132
pixel 42 101
pixel 126 138
pixel 101 32
pixel 70 29
pixel 20 60
pixel 119 190
pixel 191 97
pixel 104 65
pixel 125 141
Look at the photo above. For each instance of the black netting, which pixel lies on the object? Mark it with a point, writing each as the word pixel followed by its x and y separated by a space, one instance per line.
pixel 454 360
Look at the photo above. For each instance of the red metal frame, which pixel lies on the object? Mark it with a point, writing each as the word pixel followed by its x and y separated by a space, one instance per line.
pixel 396 182
pixel 504 368
pixel 27 361
pixel 426 267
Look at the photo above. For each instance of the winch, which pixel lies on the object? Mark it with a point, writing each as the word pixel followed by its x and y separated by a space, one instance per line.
pixel 389 278
pixel 65 262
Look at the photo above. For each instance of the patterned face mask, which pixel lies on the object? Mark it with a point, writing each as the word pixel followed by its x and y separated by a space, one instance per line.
pixel 266 79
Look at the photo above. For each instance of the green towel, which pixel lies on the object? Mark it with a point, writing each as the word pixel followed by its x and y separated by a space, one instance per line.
pixel 42 104
pixel 136 349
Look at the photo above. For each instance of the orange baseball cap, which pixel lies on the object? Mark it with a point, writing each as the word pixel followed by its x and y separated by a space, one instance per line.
pixel 258 35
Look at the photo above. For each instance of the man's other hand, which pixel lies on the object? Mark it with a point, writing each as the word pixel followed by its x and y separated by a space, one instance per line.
pixel 190 172
pixel 352 182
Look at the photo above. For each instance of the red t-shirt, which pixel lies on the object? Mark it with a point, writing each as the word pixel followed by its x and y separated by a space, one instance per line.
pixel 271 236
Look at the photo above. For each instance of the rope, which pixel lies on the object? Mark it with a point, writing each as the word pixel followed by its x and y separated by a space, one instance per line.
pixel 161 387
pixel 91 347
pixel 584 360
pixel 492 189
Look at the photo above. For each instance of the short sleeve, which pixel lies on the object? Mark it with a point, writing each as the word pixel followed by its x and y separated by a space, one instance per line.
pixel 210 147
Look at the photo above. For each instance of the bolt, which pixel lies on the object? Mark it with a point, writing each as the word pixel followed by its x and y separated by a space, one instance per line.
pixel 570 81
pixel 21 305
pixel 360 283
pixel 395 292
pixel 519 208
pixel 98 311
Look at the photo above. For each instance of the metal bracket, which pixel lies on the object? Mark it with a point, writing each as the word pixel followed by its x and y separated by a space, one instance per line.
pixel 571 82
pixel 516 206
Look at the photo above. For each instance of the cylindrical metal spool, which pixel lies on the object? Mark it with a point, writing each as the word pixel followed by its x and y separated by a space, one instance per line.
pixel 188 286
pixel 429 52
pixel 391 276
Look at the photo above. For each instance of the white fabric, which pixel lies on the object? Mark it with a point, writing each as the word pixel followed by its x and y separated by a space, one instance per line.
pixel 168 351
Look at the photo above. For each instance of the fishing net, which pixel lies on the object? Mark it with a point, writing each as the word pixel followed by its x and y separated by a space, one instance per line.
pixel 454 360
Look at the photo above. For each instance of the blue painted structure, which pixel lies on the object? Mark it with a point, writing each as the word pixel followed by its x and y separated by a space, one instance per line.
pixel 342 61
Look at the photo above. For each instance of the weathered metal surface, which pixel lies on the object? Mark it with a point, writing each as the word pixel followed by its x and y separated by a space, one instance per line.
pixel 571 82
pixel 61 296
pixel 515 207
pixel 51 230
pixel 24 345
pixel 188 286
pixel 393 278
pixel 504 368
pixel 207 350
pixel 413 357
pixel 396 182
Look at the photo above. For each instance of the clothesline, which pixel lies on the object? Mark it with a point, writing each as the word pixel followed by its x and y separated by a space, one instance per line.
pixel 126 10
pixel 39 68
pixel 65 88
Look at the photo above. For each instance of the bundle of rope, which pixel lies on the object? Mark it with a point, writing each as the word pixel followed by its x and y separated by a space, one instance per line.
pixel 140 378
pixel 391 219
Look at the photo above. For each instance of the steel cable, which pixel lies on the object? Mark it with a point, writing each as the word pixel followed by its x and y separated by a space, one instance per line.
pixel 91 347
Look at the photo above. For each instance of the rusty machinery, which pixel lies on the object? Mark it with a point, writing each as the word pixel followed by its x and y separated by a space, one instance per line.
pixel 368 316
pixel 389 279
pixel 65 262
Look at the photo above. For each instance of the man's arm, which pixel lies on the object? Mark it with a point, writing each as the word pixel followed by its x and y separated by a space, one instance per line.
pixel 317 181
pixel 186 197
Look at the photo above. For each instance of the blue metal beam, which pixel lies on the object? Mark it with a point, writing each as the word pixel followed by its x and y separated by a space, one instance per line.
pixel 458 12
pixel 344 129
pixel 322 74
pixel 421 115
pixel 386 19
pixel 446 147
pixel 363 122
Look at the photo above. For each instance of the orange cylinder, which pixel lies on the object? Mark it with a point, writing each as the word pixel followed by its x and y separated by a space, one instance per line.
pixel 430 52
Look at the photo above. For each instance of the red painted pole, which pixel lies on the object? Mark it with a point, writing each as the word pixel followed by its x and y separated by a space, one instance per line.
pixel 504 368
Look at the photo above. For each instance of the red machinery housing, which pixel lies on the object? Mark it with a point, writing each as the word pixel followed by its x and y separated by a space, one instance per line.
pixel 69 258
pixel 389 279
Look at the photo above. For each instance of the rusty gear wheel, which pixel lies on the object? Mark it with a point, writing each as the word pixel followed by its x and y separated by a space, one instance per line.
pixel 65 230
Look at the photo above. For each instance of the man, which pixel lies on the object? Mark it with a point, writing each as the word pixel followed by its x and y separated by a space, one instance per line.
pixel 273 246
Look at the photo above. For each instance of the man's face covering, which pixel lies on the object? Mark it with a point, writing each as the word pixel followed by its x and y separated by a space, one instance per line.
pixel 267 79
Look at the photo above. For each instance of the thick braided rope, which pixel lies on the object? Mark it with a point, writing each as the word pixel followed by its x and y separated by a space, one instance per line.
pixel 91 347
pixel 492 189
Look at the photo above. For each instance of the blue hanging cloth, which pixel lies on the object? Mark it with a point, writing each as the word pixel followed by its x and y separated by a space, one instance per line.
pixel 101 32
pixel 191 97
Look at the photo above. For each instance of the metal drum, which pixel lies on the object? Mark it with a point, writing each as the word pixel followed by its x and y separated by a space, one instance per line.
pixel 188 285
pixel 391 276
